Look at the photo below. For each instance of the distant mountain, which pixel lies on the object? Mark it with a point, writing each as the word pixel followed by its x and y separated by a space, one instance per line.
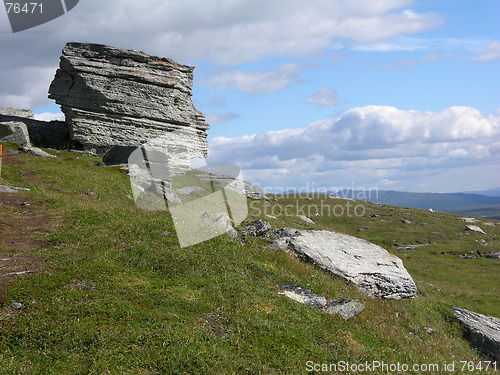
pixel 490 192
pixel 457 203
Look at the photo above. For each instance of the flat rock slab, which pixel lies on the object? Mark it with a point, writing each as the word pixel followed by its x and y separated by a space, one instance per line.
pixel 345 308
pixel 11 189
pixel 306 219
pixel 474 228
pixel 483 331
pixel 363 263
pixel 37 151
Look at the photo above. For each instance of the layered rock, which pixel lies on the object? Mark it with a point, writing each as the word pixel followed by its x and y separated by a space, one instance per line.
pixel 363 263
pixel 116 98
pixel 483 331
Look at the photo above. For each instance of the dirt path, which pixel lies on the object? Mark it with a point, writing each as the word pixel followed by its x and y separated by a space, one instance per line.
pixel 23 223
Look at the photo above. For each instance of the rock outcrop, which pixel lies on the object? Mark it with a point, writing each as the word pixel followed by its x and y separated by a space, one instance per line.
pixel 19 126
pixel 120 98
pixel 483 332
pixel 363 263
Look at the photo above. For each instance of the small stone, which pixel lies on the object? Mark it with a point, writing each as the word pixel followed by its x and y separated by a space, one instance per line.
pixel 166 233
pixel 306 219
pixel 16 305
pixel 346 308
pixel 303 295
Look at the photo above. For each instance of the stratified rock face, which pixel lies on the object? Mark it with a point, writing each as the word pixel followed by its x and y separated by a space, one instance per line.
pixel 115 97
pixel 483 331
pixel 363 263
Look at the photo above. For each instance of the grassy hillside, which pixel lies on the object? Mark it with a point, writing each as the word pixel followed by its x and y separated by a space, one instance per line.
pixel 111 292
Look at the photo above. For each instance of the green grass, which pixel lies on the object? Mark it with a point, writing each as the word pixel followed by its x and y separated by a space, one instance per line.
pixel 118 297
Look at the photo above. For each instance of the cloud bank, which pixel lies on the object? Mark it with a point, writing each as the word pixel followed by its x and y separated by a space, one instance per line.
pixel 223 32
pixel 378 145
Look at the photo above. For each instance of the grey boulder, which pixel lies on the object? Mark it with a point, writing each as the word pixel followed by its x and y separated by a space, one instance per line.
pixel 483 331
pixel 363 263
pixel 15 132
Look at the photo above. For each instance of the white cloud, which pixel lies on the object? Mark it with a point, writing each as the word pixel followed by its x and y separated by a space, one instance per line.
pixel 48 116
pixel 375 144
pixel 255 82
pixel 411 44
pixel 325 96
pixel 491 52
pixel 213 118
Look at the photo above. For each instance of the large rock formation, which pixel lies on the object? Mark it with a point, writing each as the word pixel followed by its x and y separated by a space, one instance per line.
pixel 363 263
pixel 121 98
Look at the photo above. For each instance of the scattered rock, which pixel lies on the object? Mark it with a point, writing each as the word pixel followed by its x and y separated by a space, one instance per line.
pixel 11 189
pixel 36 151
pixel 16 305
pixel 365 264
pixel 224 222
pixel 406 221
pixel 256 228
pixel 303 295
pixel 489 224
pixel 244 188
pixel 345 308
pixel 306 219
pixel 483 331
pixel 411 247
pixel 492 255
pixel 466 256
pixel 470 220
pixel 474 228
pixel 165 233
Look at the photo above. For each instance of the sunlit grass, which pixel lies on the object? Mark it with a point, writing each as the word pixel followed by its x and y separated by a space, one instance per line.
pixel 121 297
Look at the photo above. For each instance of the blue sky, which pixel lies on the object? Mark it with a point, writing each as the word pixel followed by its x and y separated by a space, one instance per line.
pixel 397 94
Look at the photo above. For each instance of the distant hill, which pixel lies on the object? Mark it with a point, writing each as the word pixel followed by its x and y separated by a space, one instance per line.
pixel 457 203
pixel 490 192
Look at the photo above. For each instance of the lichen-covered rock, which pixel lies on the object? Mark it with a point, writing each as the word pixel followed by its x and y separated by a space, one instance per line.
pixel 483 331
pixel 363 263
pixel 116 97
